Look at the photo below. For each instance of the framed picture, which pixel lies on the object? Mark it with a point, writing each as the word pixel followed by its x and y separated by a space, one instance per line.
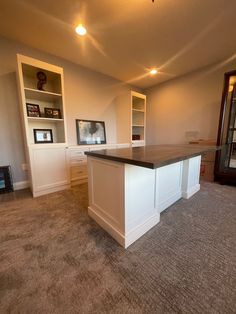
pixel 90 132
pixel 33 110
pixel 52 113
pixel 6 184
pixel 43 136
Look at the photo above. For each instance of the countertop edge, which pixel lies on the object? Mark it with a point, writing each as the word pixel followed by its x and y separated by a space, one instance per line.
pixel 148 164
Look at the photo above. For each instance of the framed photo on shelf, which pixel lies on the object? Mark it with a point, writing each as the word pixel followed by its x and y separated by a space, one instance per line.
pixel 90 132
pixel 52 113
pixel 43 136
pixel 33 110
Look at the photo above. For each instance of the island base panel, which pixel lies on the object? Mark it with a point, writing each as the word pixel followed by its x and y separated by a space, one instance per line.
pixel 126 200
pixel 122 199
pixel 191 175
pixel 168 185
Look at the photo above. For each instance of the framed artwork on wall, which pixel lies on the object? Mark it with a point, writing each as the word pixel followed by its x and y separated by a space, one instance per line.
pixel 43 136
pixel 90 132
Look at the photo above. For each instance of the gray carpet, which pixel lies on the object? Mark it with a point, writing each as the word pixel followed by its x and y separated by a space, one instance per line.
pixel 55 259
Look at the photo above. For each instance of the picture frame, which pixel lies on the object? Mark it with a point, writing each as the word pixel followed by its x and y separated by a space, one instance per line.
pixel 33 110
pixel 52 113
pixel 43 136
pixel 6 183
pixel 90 132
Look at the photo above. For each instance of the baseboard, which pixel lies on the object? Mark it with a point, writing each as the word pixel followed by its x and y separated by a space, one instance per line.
pixel 21 185
pixel 125 240
pixel 116 234
pixel 141 229
pixel 168 202
pixel 194 189
pixel 51 190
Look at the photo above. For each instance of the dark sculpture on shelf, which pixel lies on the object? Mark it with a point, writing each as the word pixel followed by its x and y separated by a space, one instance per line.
pixel 42 79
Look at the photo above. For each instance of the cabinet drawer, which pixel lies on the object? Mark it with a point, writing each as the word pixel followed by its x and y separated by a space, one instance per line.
pixel 79 171
pixel 78 159
pixel 75 153
pixel 77 181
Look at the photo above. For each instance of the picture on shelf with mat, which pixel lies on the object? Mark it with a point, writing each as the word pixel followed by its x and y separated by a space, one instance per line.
pixel 52 113
pixel 33 110
pixel 136 137
pixel 43 136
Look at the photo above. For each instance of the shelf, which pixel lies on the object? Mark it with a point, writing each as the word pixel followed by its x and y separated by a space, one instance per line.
pixel 138 110
pixel 138 126
pixel 39 119
pixel 31 93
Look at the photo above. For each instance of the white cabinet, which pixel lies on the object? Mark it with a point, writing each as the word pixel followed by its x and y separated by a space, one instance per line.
pixel 49 169
pixel 78 165
pixel 138 125
pixel 131 118
pixel 78 160
pixel 41 90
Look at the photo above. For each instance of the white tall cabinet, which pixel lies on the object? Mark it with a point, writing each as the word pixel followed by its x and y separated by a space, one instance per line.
pixel 131 118
pixel 138 124
pixel 44 129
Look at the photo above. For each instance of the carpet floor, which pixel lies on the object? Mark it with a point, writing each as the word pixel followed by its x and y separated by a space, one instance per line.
pixel 55 259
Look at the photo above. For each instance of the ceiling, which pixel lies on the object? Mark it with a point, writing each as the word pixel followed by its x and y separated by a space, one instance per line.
pixel 127 37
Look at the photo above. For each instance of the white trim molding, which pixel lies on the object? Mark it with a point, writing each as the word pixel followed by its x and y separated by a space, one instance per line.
pixel 21 185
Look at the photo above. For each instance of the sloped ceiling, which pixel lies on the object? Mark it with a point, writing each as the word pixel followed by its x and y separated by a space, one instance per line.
pixel 127 37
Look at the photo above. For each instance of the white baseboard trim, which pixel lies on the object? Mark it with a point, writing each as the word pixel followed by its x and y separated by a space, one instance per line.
pixel 141 229
pixel 124 240
pixel 194 189
pixel 116 234
pixel 21 185
pixel 168 202
pixel 51 190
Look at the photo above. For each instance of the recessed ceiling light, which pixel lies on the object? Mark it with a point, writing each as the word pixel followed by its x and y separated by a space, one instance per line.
pixel 153 71
pixel 80 30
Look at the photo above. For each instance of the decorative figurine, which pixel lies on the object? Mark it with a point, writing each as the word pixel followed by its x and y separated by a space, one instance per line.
pixel 42 79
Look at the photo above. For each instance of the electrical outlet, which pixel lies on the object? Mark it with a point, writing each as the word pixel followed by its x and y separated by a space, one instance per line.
pixel 24 167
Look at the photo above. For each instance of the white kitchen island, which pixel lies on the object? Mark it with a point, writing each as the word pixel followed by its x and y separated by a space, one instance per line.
pixel 130 187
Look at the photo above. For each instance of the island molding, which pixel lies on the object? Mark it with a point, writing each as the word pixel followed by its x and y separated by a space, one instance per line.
pixel 126 200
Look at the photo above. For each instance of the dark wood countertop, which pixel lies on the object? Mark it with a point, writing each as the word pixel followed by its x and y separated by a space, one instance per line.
pixel 153 156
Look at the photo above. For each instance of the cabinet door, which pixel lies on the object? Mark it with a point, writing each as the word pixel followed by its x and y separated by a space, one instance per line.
pixel 49 169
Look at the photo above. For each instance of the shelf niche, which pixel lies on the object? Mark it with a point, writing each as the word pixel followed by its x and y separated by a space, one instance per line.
pixel 50 97
pixel 138 118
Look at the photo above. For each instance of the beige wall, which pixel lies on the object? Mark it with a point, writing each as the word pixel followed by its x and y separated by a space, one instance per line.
pixel 189 103
pixel 88 95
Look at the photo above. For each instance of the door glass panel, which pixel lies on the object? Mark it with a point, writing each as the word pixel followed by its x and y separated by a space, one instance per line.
pixel 232 125
pixel 229 127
